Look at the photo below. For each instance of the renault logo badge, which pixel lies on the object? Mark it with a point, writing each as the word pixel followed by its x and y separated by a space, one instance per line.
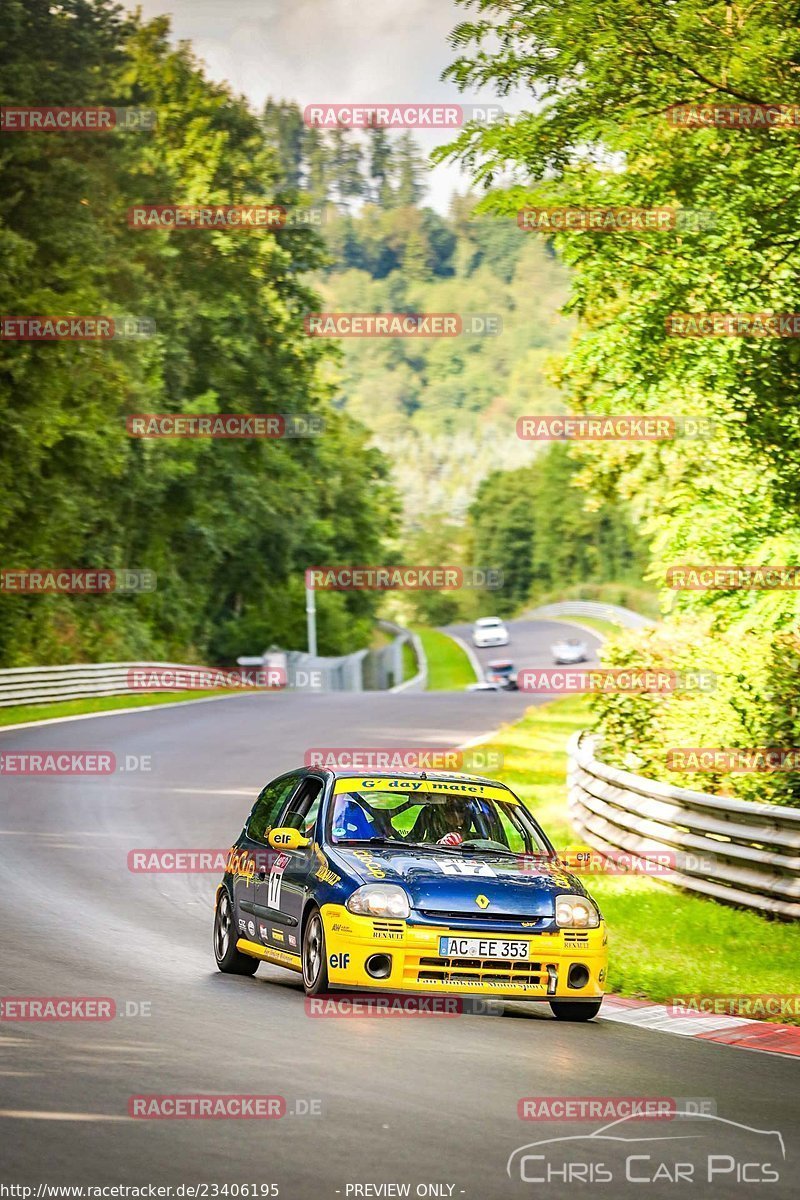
pixel 481 901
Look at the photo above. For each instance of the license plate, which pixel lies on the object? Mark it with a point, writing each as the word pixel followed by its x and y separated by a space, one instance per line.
pixel 459 947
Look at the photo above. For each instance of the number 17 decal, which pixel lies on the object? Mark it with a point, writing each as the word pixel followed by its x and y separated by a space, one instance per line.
pixel 275 880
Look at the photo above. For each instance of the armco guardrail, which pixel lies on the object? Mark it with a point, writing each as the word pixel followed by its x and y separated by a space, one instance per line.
pixel 372 669
pixel 733 850
pixel 40 685
pixel 419 681
pixel 591 608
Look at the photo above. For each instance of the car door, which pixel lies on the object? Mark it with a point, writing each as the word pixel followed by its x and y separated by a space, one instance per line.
pixel 281 894
pixel 253 855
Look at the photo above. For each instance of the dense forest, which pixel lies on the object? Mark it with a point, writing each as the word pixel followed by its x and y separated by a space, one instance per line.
pixel 228 527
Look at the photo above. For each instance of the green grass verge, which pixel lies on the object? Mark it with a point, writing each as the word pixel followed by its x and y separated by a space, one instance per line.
pixel 449 669
pixel 409 662
pixel 664 942
pixel 18 713
pixel 606 628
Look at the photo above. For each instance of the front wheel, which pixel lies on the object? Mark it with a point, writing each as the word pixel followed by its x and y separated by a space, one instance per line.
pixel 575 1010
pixel 315 963
pixel 229 959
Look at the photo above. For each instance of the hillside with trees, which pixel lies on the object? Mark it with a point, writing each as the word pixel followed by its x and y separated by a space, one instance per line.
pixel 442 409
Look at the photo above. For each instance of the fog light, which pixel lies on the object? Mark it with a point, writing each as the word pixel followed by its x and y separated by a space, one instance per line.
pixel 578 976
pixel 379 966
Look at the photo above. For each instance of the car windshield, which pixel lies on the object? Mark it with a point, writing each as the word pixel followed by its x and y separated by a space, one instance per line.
pixel 500 669
pixel 422 819
pixel 488 623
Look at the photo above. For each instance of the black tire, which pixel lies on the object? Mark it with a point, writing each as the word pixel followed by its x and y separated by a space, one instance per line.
pixel 314 956
pixel 575 1010
pixel 229 959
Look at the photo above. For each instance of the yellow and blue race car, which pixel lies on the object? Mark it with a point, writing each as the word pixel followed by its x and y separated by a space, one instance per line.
pixel 414 883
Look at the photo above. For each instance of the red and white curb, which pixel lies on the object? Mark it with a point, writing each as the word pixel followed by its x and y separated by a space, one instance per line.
pixel 732 1031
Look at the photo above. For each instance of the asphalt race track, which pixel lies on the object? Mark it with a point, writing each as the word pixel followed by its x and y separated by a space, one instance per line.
pixel 370 1101
pixel 530 642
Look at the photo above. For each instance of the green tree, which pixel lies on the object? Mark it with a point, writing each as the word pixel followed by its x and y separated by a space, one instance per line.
pixel 344 165
pixel 285 133
pixel 381 166
pixel 410 170
pixel 228 527
pixel 604 133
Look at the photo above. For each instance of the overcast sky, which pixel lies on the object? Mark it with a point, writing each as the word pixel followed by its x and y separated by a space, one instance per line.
pixel 329 50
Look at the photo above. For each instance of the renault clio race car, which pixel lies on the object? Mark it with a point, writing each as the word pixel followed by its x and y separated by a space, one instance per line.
pixel 413 883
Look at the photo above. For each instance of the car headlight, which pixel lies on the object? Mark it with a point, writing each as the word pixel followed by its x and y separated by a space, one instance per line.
pixel 576 912
pixel 379 900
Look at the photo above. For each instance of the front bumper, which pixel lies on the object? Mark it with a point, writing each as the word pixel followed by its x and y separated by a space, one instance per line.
pixel 416 965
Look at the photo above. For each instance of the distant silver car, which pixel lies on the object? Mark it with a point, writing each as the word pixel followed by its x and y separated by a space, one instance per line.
pixel 489 631
pixel 571 650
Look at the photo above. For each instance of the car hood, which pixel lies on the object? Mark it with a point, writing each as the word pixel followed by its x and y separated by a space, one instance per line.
pixel 442 882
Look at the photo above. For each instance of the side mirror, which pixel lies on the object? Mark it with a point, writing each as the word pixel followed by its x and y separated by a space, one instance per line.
pixel 284 838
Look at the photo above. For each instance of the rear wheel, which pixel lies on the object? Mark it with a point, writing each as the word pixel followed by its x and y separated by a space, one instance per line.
pixel 575 1010
pixel 229 959
pixel 315 963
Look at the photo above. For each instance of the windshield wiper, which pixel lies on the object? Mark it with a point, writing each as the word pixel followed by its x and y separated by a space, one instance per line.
pixel 489 850
pixel 372 841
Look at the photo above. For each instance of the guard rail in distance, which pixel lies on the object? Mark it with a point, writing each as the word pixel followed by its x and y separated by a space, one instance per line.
pixel 41 685
pixel 590 608
pixel 44 685
pixel 737 851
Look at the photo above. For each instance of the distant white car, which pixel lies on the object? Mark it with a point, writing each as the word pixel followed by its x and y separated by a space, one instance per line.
pixel 571 650
pixel 489 631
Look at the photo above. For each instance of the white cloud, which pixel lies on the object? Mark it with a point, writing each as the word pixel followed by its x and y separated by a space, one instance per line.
pixel 328 50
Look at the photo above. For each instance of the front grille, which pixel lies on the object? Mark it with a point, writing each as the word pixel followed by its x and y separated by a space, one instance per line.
pixel 505 918
pixel 575 939
pixel 490 971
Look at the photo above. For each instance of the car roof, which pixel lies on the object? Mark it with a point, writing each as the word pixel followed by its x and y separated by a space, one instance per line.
pixel 488 621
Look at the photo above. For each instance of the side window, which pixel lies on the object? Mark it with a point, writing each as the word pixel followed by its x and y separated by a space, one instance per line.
pixel 302 811
pixel 268 805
